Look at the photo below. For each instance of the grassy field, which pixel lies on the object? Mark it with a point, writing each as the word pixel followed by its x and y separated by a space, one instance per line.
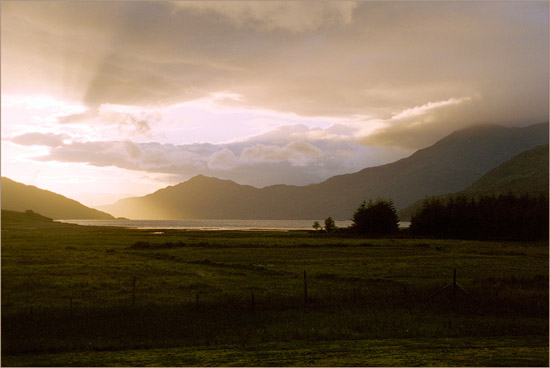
pixel 485 351
pixel 105 296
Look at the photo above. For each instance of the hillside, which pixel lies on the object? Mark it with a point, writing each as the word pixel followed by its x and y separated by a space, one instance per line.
pixel 526 173
pixel 30 220
pixel 21 197
pixel 14 218
pixel 450 165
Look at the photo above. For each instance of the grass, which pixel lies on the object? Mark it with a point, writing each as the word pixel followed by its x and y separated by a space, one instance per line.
pixel 511 352
pixel 67 294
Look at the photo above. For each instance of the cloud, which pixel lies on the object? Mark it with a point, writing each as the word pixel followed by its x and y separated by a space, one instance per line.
pixel 319 59
pixel 391 77
pixel 40 139
pixel 421 126
pixel 302 156
pixel 78 117
pixel 130 120
pixel 222 160
pixel 298 153
pixel 426 108
pixel 418 126
pixel 139 122
pixel 292 16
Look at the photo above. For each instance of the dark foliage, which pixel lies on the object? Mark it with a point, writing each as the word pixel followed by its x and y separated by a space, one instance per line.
pixel 486 217
pixel 330 225
pixel 375 218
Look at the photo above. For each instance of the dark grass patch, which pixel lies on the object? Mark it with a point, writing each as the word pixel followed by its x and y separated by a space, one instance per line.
pixel 535 282
pixel 249 267
pixel 234 320
pixel 493 351
pixel 207 262
pixel 167 245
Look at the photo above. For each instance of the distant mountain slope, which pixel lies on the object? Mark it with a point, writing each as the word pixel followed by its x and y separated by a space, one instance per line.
pixel 21 197
pixel 526 173
pixel 450 165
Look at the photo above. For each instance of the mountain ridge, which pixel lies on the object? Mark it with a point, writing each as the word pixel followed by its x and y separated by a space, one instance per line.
pixel 450 165
pixel 526 173
pixel 21 197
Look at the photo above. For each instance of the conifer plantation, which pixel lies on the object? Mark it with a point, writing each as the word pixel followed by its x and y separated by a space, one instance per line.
pixel 503 217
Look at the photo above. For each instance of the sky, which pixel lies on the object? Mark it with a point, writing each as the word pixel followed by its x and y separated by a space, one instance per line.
pixel 102 100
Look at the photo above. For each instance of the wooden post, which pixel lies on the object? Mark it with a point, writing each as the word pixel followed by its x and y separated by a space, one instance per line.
pixel 305 287
pixel 197 301
pixel 354 296
pixel 133 291
pixel 252 302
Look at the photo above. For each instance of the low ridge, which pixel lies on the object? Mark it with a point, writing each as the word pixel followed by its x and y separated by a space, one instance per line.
pixel 20 197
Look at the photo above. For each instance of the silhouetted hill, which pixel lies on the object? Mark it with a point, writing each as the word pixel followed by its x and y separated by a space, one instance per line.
pixel 30 220
pixel 10 218
pixel 21 197
pixel 526 173
pixel 448 166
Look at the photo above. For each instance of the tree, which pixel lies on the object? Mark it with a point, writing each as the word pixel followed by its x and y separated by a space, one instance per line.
pixel 330 225
pixel 431 218
pixel 316 225
pixel 484 217
pixel 375 218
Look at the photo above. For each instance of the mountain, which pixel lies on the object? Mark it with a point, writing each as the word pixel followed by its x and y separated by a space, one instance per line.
pixel 448 166
pixel 526 173
pixel 21 197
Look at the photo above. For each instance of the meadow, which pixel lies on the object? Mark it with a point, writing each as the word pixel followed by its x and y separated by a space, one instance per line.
pixel 91 296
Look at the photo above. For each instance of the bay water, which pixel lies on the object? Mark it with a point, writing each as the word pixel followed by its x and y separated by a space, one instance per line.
pixel 251 225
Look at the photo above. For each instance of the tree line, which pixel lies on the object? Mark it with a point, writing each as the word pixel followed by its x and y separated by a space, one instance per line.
pixel 506 216
pixel 503 217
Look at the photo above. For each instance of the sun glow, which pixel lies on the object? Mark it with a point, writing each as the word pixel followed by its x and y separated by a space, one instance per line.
pixel 35 113
pixel 41 102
